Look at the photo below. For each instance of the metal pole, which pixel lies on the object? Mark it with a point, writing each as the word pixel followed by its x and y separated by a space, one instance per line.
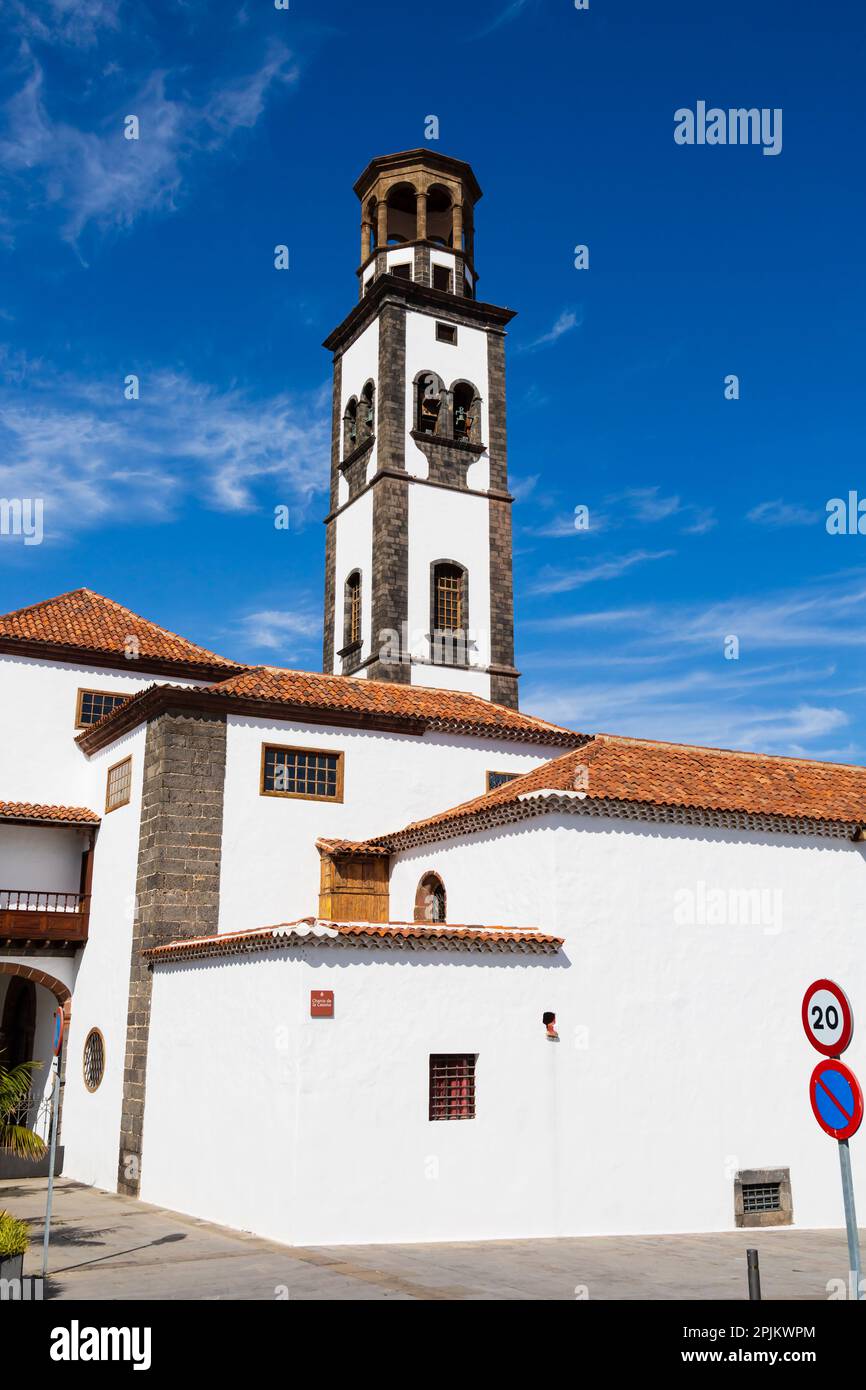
pixel 55 1096
pixel 754 1276
pixel 850 1217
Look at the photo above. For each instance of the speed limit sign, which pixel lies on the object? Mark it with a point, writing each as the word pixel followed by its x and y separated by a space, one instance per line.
pixel 827 1017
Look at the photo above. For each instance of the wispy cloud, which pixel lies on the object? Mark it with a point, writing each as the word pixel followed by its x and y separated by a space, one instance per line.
pixel 287 632
pixel 77 23
pixel 94 456
pixel 779 513
pixel 568 320
pixel 559 581
pixel 99 178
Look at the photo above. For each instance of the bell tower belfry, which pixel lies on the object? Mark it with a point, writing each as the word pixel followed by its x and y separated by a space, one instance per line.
pixel 418 584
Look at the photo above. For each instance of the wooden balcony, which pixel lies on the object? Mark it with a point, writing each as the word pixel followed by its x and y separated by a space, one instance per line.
pixel 32 915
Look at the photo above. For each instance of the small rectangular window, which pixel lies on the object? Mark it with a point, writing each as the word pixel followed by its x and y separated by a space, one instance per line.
pixel 93 704
pixel 442 278
pixel 446 333
pixel 762 1196
pixel 118 785
pixel 498 779
pixel 452 1086
pixel 302 772
pixel 403 271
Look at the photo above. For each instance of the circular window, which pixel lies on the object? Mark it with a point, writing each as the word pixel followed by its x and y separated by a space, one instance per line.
pixel 94 1059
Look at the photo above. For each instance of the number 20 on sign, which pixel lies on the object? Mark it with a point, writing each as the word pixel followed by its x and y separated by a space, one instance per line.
pixel 827 1018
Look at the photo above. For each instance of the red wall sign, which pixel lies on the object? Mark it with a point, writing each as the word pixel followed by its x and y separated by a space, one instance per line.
pixel 321 1003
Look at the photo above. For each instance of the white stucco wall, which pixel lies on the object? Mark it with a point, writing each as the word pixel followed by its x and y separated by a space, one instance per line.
pixel 464 361
pixel 91 1120
pixel 41 857
pixel 446 525
pixel 270 865
pixel 681 1056
pixel 354 551
pixel 42 695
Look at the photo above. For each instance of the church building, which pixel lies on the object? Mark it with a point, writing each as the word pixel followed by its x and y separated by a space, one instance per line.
pixel 371 954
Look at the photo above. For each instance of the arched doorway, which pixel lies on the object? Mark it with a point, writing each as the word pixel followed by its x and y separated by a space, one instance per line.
pixel 18 1027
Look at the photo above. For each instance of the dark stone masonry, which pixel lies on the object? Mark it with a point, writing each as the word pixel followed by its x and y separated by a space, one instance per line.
pixel 177 885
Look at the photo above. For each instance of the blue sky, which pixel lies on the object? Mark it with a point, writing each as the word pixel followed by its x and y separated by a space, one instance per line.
pixel 156 257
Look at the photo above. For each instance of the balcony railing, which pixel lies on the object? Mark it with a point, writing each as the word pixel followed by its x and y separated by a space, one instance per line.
pixel 36 914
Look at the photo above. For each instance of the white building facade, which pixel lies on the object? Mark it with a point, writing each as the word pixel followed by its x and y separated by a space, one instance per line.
pixel 372 955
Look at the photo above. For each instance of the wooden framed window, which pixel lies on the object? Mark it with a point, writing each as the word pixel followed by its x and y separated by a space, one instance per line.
pixel 449 599
pixel 446 333
pixel 403 270
pixel 306 773
pixel 352 634
pixel 498 779
pixel 442 281
pixel 94 1059
pixel 118 785
pixel 452 1086
pixel 93 704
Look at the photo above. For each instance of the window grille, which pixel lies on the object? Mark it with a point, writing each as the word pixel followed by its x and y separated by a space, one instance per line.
pixel 762 1196
pixel 93 704
pixel 94 1059
pixel 449 600
pixel 303 772
pixel 452 1086
pixel 118 786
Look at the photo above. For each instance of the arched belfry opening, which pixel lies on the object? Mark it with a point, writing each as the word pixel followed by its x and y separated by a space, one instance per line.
pixel 402 214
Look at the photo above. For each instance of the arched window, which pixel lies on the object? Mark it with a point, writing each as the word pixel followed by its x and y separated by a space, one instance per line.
pixel 350 427
pixel 440 216
pixel 467 410
pixel 366 411
pixel 449 598
pixel 401 214
pixel 352 610
pixel 430 391
pixel 430 899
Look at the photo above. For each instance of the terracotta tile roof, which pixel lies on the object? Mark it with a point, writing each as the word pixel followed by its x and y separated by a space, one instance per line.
pixel 610 772
pixel 321 699
pixel 391 935
pixel 440 709
pixel 83 622
pixel 58 815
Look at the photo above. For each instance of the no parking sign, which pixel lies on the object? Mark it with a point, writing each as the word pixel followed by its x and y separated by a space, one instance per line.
pixel 837 1100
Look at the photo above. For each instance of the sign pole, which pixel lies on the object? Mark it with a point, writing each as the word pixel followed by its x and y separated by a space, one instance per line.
pixel 55 1093
pixel 850 1217
pixel 55 1107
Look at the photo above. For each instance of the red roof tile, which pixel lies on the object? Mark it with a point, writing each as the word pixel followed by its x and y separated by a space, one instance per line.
pixel 313 931
pixel 324 699
pixel 28 811
pixel 440 709
pixel 85 622
pixel 608 768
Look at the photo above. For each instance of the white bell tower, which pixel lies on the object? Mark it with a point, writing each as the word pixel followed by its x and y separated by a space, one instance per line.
pixel 418 586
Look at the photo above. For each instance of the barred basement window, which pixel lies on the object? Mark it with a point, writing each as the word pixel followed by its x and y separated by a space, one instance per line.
pixel 452 1086
pixel 118 785
pixel 762 1196
pixel 301 772
pixel 93 704
pixel 498 779
pixel 94 1059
